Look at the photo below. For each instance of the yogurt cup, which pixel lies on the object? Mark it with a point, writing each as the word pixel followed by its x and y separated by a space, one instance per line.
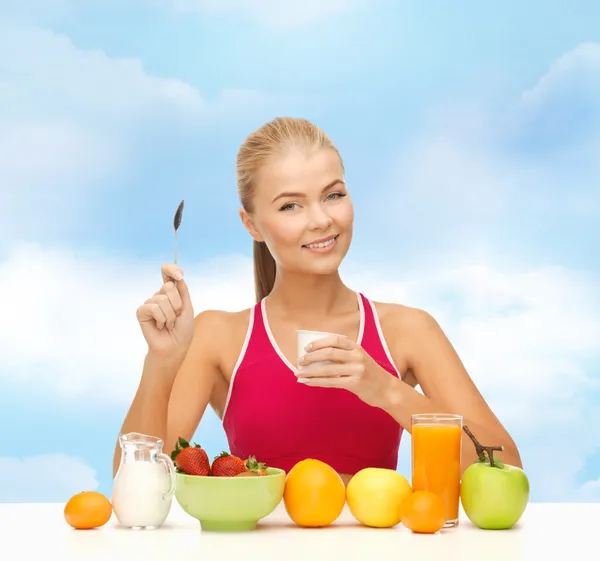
pixel 304 338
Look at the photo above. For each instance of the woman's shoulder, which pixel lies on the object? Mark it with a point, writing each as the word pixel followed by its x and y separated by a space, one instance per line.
pixel 215 321
pixel 222 333
pixel 400 319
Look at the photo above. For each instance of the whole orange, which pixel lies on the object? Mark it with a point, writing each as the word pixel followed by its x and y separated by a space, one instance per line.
pixel 423 512
pixel 314 493
pixel 88 509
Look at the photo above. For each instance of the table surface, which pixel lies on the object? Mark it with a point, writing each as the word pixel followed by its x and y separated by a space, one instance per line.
pixel 547 531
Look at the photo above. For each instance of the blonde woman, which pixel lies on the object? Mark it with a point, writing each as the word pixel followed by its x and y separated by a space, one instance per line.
pixel 350 413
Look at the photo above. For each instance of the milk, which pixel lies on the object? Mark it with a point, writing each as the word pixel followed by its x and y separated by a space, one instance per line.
pixel 139 492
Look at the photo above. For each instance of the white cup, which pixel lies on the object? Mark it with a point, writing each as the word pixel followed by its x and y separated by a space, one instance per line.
pixel 304 338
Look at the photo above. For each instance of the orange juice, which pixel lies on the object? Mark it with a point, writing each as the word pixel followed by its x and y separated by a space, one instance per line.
pixel 436 449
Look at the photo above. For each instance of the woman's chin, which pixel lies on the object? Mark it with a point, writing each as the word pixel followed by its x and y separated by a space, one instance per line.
pixel 324 266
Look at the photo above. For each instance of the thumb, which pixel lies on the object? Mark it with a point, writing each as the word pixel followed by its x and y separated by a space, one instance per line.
pixel 184 293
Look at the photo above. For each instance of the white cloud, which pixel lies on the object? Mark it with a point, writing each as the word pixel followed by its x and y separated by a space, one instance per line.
pixel 70 122
pixel 39 61
pixel 512 328
pixel 66 116
pixel 572 79
pixel 44 478
pixel 476 180
pixel 523 333
pixel 475 168
pixel 589 492
pixel 561 114
pixel 525 336
pixel 73 328
pixel 283 14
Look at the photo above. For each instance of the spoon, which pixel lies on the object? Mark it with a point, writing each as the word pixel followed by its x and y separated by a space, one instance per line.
pixel 176 224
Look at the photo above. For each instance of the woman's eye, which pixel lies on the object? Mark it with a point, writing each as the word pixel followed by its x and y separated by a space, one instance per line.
pixel 330 197
pixel 288 206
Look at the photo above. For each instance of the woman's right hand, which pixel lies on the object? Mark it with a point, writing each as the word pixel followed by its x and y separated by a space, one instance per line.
pixel 167 318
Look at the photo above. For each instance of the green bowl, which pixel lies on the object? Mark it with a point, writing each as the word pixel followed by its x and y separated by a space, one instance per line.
pixel 230 504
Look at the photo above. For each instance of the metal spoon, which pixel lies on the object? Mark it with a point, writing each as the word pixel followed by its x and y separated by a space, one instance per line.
pixel 176 224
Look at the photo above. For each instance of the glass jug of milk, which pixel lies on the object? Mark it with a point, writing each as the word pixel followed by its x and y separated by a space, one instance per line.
pixel 145 482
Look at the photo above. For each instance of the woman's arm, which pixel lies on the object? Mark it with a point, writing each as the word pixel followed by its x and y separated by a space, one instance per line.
pixel 168 409
pixel 194 384
pixel 446 385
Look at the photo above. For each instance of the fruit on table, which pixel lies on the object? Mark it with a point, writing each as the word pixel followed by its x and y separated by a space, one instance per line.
pixel 190 459
pixel 374 496
pixel 314 494
pixel 248 473
pixel 193 460
pixel 423 512
pixel 226 465
pixel 255 467
pixel 88 509
pixel 494 495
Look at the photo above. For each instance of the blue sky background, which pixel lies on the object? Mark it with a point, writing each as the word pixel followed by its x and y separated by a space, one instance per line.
pixel 470 138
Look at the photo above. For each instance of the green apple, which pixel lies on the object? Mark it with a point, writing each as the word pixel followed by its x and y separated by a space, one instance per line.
pixel 494 495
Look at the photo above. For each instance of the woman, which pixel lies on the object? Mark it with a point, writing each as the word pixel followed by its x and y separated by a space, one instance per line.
pixel 349 412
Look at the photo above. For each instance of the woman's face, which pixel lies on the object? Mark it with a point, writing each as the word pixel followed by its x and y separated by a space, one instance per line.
pixel 303 211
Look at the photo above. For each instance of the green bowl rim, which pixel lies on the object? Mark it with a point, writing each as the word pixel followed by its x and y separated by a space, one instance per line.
pixel 276 472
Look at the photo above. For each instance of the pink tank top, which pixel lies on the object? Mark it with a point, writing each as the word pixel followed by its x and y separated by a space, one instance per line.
pixel 270 415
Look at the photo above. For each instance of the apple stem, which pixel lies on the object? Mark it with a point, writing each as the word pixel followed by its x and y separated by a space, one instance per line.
pixel 482 450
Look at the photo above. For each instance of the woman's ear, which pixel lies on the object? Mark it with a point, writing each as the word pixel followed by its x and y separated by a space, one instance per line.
pixel 250 226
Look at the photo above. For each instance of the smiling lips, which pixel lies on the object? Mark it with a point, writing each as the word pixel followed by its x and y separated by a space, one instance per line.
pixel 323 245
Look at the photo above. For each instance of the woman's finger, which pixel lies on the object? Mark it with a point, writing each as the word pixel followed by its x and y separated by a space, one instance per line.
pixel 170 289
pixel 327 353
pixel 171 272
pixel 150 312
pixel 328 382
pixel 326 371
pixel 166 308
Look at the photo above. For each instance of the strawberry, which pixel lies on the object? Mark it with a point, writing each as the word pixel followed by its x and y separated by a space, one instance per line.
pixel 192 460
pixel 226 465
pixel 257 467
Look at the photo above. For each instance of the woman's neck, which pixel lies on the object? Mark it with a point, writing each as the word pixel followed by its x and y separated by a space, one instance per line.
pixel 300 295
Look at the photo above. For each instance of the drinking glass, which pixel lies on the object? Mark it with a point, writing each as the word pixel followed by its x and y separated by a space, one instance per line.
pixel 436 450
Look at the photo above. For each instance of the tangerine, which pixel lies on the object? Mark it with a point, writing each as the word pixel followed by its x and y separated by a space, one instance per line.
pixel 88 509
pixel 423 512
pixel 314 494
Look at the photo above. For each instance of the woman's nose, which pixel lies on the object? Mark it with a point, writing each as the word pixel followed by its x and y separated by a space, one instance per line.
pixel 319 219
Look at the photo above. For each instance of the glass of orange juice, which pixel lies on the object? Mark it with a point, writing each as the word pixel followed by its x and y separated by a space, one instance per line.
pixel 436 448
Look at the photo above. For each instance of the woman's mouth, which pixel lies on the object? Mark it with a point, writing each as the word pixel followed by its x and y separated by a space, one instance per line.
pixel 322 246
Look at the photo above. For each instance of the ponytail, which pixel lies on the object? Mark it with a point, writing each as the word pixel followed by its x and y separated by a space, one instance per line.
pixel 264 270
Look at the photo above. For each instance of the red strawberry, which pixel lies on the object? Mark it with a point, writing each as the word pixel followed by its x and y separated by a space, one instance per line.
pixel 192 460
pixel 226 465
pixel 258 467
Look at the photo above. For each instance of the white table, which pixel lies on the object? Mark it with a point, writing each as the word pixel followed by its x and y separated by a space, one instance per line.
pixel 546 532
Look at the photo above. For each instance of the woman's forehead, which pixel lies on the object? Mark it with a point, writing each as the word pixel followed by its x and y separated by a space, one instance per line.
pixel 299 170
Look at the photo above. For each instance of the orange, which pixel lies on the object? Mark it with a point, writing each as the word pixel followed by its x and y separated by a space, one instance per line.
pixel 423 512
pixel 88 509
pixel 314 493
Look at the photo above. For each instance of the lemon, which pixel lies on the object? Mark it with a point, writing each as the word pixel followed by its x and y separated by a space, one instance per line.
pixel 374 496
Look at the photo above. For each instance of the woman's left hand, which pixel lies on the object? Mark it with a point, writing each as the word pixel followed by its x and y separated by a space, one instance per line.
pixel 352 368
